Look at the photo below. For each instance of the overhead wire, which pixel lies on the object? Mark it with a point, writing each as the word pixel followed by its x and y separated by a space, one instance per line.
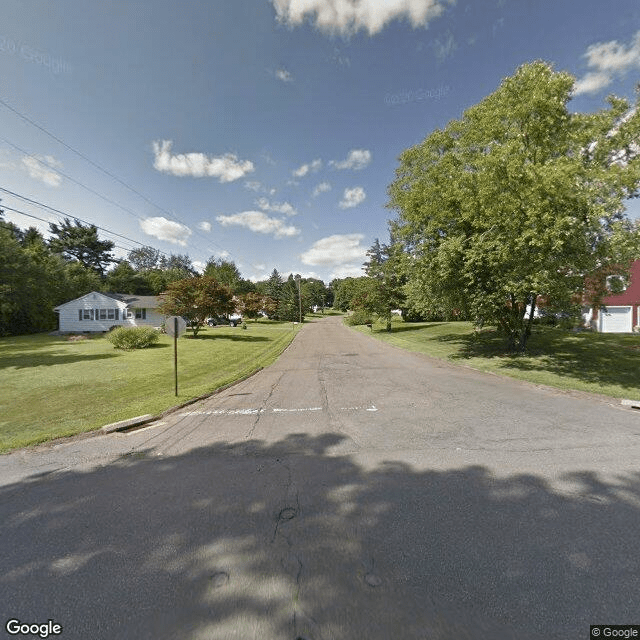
pixel 103 170
pixel 30 215
pixel 59 212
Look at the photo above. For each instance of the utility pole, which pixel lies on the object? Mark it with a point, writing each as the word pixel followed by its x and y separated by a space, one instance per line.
pixel 297 279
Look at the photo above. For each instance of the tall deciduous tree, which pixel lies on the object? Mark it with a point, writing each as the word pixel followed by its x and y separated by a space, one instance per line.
pixel 196 299
pixel 224 271
pixel 517 199
pixel 75 241
pixel 252 303
pixel 144 258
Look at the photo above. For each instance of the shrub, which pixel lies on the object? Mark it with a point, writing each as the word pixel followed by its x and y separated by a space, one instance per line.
pixel 359 316
pixel 129 338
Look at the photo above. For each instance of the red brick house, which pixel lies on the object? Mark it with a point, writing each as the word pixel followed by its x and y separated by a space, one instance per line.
pixel 620 312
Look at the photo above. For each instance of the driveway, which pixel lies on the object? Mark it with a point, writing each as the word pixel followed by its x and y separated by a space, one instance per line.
pixel 351 490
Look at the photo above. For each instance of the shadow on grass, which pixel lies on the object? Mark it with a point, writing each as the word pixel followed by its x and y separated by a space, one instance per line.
pixel 401 328
pixel 49 359
pixel 595 358
pixel 285 540
pixel 242 337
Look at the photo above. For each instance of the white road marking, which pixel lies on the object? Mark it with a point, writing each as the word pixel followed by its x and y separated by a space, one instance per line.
pixel 249 412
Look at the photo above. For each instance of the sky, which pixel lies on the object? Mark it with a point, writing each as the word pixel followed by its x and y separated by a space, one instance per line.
pixel 265 131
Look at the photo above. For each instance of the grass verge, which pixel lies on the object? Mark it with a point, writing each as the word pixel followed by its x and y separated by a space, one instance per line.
pixel 603 363
pixel 52 387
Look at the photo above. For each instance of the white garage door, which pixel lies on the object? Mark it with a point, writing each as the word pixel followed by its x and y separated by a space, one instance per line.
pixel 615 320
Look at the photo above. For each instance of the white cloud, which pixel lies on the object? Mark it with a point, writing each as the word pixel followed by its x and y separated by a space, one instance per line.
pixel 312 167
pixel 357 159
pixel 346 17
pixel 164 229
pixel 278 207
pixel 284 75
pixel 607 60
pixel 259 222
pixel 254 185
pixel 335 251
pixel 40 168
pixel 592 83
pixel 226 168
pixel 352 198
pixel 204 226
pixel 323 187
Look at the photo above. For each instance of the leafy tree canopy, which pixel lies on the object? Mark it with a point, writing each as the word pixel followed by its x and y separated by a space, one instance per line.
pixel 517 199
pixel 224 271
pixel 144 258
pixel 196 299
pixel 75 241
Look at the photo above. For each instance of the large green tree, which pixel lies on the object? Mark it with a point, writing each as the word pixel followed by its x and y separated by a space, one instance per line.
pixel 518 199
pixel 76 241
pixel 123 278
pixel 197 298
pixel 291 306
pixel 144 258
pixel 385 268
pixel 224 271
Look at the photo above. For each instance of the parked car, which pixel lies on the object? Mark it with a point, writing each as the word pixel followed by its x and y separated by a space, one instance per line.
pixel 234 320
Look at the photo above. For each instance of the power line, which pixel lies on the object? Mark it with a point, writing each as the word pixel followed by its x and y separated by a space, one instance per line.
pixel 68 177
pixel 68 215
pixel 100 168
pixel 30 215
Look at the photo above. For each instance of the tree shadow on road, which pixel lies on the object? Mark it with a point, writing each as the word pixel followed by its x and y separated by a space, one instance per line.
pixel 285 540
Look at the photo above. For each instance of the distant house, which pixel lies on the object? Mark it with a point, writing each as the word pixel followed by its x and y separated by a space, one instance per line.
pixel 97 312
pixel 620 312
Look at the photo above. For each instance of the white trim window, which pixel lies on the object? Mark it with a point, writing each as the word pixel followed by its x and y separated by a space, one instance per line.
pixel 112 314
pixel 85 314
pixel 141 314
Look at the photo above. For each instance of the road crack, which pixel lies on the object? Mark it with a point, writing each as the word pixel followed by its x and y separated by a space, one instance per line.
pixel 262 407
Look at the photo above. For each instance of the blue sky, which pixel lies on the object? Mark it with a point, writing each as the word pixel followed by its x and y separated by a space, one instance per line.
pixel 265 131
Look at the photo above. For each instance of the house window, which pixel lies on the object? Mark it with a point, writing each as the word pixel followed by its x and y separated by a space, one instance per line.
pixel 616 284
pixel 141 314
pixel 101 314
pixel 85 314
pixel 112 314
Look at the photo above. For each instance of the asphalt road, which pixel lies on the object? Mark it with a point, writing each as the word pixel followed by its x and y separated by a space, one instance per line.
pixel 350 491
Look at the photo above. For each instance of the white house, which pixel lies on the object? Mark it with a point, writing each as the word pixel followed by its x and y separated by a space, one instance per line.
pixel 100 311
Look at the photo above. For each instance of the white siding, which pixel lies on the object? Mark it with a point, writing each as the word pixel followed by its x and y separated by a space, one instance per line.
pixel 69 320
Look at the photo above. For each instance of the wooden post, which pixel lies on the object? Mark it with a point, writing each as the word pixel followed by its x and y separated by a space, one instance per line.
pixel 175 351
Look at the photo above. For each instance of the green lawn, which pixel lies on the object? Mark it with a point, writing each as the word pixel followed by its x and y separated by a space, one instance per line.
pixel 608 364
pixel 51 387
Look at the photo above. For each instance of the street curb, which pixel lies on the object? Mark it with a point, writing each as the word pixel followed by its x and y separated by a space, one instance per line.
pixel 207 395
pixel 634 404
pixel 134 423
pixel 126 424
